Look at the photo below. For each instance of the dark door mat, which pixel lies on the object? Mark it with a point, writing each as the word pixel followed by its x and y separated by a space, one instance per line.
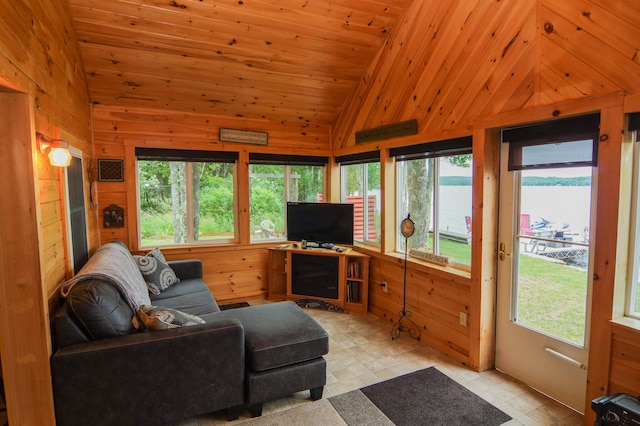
pixel 429 397
pixel 233 306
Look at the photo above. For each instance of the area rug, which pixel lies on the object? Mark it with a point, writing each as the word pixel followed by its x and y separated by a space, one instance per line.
pixel 318 304
pixel 233 306
pixel 425 397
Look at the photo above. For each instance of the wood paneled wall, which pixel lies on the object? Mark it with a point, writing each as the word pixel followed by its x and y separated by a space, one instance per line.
pixel 434 297
pixel 233 272
pixel 39 59
pixel 48 67
pixel 474 67
pixel 624 373
pixel 453 62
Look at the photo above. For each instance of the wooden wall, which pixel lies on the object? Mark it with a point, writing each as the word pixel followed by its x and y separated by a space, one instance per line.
pixel 625 360
pixel 453 62
pixel 233 272
pixel 39 61
pixel 434 297
pixel 474 67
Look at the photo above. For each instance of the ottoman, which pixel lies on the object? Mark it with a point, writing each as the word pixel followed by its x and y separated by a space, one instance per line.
pixel 284 349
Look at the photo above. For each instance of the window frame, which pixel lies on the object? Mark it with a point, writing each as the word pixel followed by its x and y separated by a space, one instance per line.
pixel 286 161
pixel 430 151
pixel 363 159
pixel 188 157
pixel 633 273
pixel 436 203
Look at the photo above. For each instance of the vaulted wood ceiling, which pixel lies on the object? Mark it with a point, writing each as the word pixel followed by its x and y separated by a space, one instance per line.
pixel 282 60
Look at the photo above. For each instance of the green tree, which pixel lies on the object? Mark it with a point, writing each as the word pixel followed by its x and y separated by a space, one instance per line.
pixel 420 181
pixel 420 177
pixel 178 201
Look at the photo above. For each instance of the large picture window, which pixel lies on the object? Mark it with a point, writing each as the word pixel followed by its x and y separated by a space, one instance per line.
pixel 434 186
pixel 360 180
pixel 276 179
pixel 186 197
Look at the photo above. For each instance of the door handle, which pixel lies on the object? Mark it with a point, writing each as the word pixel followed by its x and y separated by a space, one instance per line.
pixel 502 253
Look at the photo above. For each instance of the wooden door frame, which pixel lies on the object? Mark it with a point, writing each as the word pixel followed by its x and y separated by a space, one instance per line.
pixel 25 342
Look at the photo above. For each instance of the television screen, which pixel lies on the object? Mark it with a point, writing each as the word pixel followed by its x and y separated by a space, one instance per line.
pixel 321 223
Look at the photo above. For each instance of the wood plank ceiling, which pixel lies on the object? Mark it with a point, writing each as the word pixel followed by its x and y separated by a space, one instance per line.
pixel 281 60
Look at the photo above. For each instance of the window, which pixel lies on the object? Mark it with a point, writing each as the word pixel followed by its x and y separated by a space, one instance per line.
pixel 76 212
pixel 186 196
pixel 360 179
pixel 434 186
pixel 276 179
pixel 549 193
pixel 633 290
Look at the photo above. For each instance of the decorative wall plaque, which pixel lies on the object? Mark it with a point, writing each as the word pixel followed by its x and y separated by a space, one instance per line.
pixel 395 130
pixel 113 216
pixel 244 136
pixel 110 170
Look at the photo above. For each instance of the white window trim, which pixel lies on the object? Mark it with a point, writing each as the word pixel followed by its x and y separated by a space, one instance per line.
pixel 365 190
pixel 634 237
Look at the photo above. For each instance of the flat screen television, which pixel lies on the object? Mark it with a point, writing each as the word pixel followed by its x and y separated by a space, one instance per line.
pixel 320 223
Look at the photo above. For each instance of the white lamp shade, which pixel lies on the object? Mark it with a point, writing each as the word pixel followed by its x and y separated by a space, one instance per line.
pixel 59 157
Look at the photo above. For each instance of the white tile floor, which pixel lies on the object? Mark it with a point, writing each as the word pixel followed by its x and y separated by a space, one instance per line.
pixel 361 353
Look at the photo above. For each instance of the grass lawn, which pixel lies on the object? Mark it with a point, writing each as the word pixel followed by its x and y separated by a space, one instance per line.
pixel 552 296
pixel 157 229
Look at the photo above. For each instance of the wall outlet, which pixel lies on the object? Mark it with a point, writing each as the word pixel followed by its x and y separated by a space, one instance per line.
pixel 463 319
pixel 383 284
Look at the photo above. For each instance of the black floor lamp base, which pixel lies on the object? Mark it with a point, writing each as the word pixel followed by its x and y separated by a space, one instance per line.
pixel 407 229
pixel 405 324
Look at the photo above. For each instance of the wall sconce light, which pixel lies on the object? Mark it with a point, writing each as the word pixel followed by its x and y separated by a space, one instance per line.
pixel 59 154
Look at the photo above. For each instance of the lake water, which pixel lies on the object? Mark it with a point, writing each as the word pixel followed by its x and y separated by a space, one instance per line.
pixel 558 204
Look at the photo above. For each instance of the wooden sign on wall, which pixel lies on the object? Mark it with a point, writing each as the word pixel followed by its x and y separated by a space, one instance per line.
pixel 244 136
pixel 395 130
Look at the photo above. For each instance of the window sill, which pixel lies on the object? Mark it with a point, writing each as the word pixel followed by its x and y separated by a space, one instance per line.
pixel 626 323
pixel 415 263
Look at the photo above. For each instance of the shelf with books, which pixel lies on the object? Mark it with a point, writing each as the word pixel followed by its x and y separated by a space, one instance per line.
pixel 357 289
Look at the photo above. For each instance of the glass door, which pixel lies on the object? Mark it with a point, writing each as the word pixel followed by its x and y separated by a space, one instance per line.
pixel 544 278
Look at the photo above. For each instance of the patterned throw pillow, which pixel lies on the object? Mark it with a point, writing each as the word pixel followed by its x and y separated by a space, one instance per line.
pixel 156 271
pixel 157 318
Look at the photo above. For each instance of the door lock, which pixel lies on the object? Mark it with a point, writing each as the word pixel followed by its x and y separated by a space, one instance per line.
pixel 502 253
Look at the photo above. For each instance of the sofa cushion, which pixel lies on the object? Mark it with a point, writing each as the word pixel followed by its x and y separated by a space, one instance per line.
pixel 157 318
pixel 191 296
pixel 156 271
pixel 100 309
pixel 279 334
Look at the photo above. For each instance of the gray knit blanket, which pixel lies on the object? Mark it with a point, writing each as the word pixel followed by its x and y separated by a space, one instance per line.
pixel 114 264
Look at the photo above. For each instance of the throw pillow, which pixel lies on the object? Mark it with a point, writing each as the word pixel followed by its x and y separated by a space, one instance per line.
pixel 156 271
pixel 158 318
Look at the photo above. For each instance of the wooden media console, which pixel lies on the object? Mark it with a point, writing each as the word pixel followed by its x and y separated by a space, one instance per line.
pixel 341 278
